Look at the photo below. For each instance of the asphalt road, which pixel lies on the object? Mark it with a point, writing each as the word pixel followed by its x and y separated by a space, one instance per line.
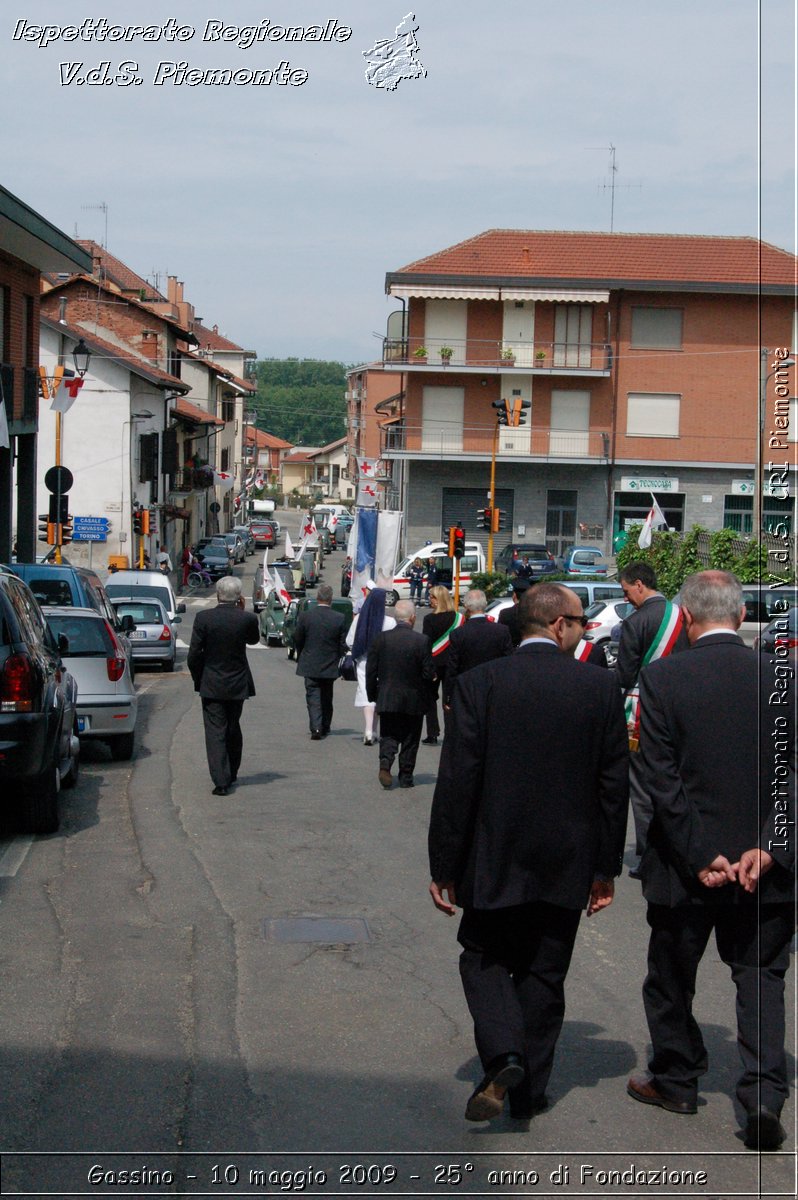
pixel 156 1019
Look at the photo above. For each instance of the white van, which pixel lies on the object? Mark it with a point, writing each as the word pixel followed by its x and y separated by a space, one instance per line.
pixel 472 562
pixel 145 583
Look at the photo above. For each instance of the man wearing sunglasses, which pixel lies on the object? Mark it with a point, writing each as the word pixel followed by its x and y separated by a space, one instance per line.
pixel 525 852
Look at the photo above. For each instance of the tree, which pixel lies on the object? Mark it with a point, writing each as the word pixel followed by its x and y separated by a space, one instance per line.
pixel 301 400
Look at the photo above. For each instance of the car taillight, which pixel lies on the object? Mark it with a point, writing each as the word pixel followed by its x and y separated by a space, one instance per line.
pixel 166 634
pixel 17 684
pixel 115 663
pixel 592 625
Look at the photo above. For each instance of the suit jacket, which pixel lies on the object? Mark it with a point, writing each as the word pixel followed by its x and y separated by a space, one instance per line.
pixel 637 633
pixel 712 745
pixel 217 655
pixel 509 617
pixel 320 641
pixel 435 625
pixel 399 669
pixel 532 794
pixel 476 642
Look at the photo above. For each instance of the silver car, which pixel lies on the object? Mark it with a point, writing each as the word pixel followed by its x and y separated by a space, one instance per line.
pixel 151 633
pixel 107 703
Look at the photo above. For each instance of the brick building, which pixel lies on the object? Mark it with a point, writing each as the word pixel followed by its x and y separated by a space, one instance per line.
pixel 29 246
pixel 640 356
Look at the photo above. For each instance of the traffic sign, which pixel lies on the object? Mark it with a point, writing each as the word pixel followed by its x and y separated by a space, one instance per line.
pixel 90 529
pixel 58 480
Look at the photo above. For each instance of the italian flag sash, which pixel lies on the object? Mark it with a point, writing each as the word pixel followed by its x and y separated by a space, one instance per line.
pixel 443 641
pixel 663 643
pixel 582 651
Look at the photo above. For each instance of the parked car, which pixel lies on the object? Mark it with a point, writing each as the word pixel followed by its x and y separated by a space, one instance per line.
pixel 142 584
pixel 214 554
pixel 246 536
pixel 151 633
pixel 591 590
pixel 271 619
pixel 764 602
pixel 342 529
pixel 602 617
pixel 38 713
pixel 235 544
pixel 584 560
pixel 295 610
pixel 472 561
pixel 263 533
pixel 541 560
pixel 325 540
pixel 780 637
pixel 107 704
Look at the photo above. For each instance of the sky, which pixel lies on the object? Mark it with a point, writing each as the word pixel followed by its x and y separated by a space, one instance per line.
pixel 281 208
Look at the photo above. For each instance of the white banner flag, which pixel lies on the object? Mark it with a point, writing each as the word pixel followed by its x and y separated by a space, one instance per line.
pixel 654 520
pixel 223 480
pixel 289 546
pixel 366 494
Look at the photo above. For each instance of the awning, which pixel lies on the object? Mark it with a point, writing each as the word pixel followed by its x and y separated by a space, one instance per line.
pixel 425 292
pixel 563 295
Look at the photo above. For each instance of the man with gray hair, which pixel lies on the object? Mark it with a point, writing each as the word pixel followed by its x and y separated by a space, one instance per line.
pixel 478 641
pixel 217 660
pixel 717 756
pixel 399 672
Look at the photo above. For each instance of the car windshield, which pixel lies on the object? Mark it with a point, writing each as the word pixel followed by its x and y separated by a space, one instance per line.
pixel 52 591
pixel 87 636
pixel 144 589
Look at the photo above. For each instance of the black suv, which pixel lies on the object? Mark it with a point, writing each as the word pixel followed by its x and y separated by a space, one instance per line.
pixel 39 746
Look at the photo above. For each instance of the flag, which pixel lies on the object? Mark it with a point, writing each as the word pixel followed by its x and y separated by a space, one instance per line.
pixel 308 529
pixel 223 480
pixel 268 585
pixel 279 587
pixel 258 480
pixel 366 495
pixel 654 520
pixel 66 396
pixel 389 526
pixel 365 547
pixel 333 521
pixel 289 546
pixel 366 467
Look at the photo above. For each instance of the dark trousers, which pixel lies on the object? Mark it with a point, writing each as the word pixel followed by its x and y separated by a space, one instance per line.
pixel 319 697
pixel 754 943
pixel 433 723
pixel 223 740
pixel 400 732
pixel 642 806
pixel 513 969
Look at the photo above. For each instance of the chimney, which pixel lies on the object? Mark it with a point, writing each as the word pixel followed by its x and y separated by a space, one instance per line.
pixel 62 306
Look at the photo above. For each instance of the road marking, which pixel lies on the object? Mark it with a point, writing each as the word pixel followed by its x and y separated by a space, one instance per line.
pixel 14 856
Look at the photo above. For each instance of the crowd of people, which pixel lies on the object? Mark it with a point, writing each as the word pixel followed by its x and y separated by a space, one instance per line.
pixel 687 726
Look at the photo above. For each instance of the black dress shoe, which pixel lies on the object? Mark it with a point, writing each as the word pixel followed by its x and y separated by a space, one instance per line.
pixel 487 1100
pixel 764 1130
pixel 219 791
pixel 641 1088
pixel 406 781
pixel 315 735
pixel 429 741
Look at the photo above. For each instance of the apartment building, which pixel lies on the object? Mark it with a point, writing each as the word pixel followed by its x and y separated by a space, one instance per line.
pixel 641 357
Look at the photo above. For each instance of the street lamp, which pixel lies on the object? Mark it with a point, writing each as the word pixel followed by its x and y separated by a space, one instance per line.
pixel 759 473
pixel 81 356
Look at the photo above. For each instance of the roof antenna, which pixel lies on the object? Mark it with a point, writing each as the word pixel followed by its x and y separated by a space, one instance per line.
pixel 103 208
pixel 612 185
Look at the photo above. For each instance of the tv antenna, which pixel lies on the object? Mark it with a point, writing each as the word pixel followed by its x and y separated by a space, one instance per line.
pixel 103 208
pixel 612 185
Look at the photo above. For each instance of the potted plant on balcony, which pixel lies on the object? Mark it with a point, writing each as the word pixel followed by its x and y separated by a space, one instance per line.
pixel 420 355
pixel 508 357
pixel 446 353
pixel 540 356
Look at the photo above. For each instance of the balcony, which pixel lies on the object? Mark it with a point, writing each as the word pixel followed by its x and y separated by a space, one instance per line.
pixel 436 440
pixel 491 357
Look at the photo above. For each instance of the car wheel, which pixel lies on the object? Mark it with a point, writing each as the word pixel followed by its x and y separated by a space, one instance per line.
pixel 121 747
pixel 169 665
pixel 291 653
pixel 39 812
pixel 393 598
pixel 71 777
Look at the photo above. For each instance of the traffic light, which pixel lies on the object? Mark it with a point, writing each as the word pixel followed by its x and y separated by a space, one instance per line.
pixel 450 546
pixel 145 521
pixel 497 520
pixel 46 529
pixel 458 549
pixel 501 405
pixel 65 529
pixel 138 523
pixel 512 412
pixel 484 518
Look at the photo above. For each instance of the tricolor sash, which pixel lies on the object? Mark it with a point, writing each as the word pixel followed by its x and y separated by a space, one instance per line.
pixel 663 643
pixel 582 651
pixel 443 641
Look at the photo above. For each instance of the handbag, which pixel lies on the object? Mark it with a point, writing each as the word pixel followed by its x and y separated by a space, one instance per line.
pixel 347 669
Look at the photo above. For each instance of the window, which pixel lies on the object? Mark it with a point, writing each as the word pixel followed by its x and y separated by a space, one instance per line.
pixel 652 414
pixel 738 513
pixel 225 459
pixel 228 408
pixel 148 456
pixel 657 328
pixel 573 330
pixel 169 451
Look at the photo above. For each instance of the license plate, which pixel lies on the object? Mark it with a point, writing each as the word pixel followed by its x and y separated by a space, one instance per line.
pixel 81 724
pixel 137 635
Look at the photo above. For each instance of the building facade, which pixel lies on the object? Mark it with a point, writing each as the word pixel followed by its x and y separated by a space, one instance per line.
pixel 640 358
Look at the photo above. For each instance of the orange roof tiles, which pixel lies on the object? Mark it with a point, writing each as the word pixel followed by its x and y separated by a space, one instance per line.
pixel 118 272
pixel 184 408
pixel 101 349
pixel 609 258
pixel 212 339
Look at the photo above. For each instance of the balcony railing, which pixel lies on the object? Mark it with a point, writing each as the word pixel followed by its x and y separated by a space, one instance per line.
pixel 438 440
pixel 502 355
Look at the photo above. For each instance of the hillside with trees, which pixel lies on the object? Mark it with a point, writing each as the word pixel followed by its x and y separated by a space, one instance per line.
pixel 301 400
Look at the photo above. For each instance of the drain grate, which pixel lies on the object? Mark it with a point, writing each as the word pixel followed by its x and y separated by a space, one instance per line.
pixel 331 930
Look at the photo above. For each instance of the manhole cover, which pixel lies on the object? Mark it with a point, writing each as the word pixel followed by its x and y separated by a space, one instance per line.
pixel 333 930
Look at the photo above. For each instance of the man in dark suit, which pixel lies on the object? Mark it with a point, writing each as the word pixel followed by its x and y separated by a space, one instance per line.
pixel 717 754
pixel 320 641
pixel 509 616
pixel 217 660
pixel 399 671
pixel 524 851
pixel 642 635
pixel 476 642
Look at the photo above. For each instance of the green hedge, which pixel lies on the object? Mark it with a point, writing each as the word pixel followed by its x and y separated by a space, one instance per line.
pixel 674 556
